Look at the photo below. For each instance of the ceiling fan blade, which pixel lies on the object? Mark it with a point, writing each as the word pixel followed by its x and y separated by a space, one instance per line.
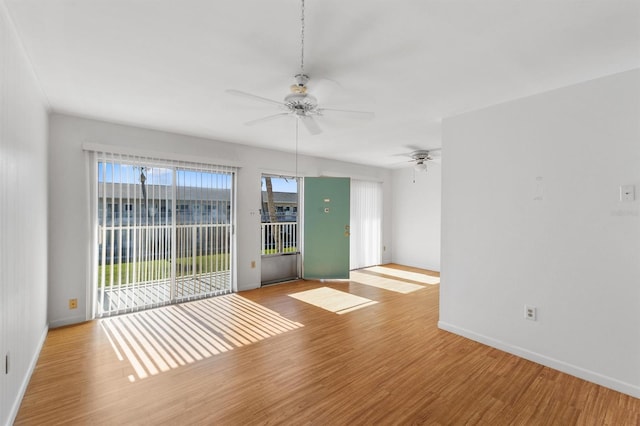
pixel 311 124
pixel 366 115
pixel 254 97
pixel 267 118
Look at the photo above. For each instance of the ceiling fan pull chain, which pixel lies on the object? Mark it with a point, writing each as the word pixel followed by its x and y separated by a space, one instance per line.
pixel 297 122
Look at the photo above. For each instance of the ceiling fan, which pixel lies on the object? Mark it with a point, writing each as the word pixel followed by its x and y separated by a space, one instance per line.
pixel 299 103
pixel 420 157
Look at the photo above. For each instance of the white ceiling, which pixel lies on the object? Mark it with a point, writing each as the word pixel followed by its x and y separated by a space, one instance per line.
pixel 166 64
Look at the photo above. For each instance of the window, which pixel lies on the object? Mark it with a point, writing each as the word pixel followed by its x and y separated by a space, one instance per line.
pixel 149 257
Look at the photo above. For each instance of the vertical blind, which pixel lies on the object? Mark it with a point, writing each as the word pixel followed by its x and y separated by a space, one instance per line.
pixel 164 232
pixel 366 224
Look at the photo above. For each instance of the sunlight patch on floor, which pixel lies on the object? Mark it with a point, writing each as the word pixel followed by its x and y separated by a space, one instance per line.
pixel 162 339
pixel 406 275
pixel 333 300
pixel 384 283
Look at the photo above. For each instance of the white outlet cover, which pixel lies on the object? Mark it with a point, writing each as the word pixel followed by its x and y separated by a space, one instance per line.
pixel 531 313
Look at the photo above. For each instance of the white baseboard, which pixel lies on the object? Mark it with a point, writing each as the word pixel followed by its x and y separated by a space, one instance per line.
pixel 27 377
pixel 247 287
pixel 588 375
pixel 66 321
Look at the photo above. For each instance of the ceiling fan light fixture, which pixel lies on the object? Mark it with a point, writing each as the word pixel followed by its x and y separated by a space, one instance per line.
pixel 301 103
pixel 420 166
pixel 297 89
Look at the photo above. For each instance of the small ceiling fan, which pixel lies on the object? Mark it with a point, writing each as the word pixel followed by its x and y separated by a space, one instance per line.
pixel 420 157
pixel 298 103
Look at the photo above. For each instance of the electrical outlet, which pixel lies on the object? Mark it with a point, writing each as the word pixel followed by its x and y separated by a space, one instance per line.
pixel 253 264
pixel 73 303
pixel 531 313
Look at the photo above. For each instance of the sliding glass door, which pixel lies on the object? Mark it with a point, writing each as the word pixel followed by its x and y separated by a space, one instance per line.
pixel 163 231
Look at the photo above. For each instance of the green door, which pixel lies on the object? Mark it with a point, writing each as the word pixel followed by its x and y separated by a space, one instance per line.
pixel 326 228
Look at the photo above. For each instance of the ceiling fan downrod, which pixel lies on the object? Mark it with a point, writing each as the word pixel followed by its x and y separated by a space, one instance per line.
pixel 300 87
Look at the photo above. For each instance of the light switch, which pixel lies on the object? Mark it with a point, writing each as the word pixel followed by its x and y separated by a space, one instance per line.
pixel 627 192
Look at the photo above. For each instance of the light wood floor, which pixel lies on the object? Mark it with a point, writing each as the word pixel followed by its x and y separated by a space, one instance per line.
pixel 385 363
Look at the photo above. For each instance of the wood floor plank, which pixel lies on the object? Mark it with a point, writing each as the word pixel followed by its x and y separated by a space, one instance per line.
pixel 387 363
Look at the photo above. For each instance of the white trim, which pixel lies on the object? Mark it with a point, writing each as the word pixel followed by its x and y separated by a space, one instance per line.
pixel 156 155
pixel 588 375
pixel 27 377
pixel 91 278
pixel 234 232
pixel 281 173
pixel 78 319
pixel 351 176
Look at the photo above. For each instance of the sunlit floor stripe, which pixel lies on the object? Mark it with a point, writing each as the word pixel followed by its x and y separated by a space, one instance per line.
pixel 175 334
pixel 128 352
pixel 333 300
pixel 232 328
pixel 210 317
pixel 136 348
pixel 153 340
pixel 198 351
pixel 407 275
pixel 217 345
pixel 148 345
pixel 270 317
pixel 234 322
pixel 244 322
pixel 356 307
pixel 113 344
pixel 165 337
pixel 384 283
pixel 162 339
pixel 198 334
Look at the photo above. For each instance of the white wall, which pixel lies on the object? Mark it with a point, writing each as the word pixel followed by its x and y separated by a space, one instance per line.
pixel 416 217
pixel 68 191
pixel 23 219
pixel 564 244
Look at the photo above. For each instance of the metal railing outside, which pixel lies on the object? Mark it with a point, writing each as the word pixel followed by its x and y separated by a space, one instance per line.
pixel 279 238
pixel 135 265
